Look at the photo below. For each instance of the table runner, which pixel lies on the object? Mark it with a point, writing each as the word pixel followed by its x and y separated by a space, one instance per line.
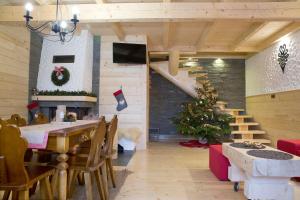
pixel 37 135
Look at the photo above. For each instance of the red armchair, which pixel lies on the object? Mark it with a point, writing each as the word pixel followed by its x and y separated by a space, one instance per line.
pixel 218 163
pixel 290 146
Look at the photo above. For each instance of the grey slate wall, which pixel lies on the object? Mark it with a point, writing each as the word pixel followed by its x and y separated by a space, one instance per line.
pixel 36 43
pixel 228 77
pixel 96 71
pixel 165 103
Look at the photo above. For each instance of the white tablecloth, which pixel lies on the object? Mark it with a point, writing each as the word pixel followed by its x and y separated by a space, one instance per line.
pixel 37 135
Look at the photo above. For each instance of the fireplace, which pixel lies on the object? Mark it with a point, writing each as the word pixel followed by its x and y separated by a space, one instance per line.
pixel 81 105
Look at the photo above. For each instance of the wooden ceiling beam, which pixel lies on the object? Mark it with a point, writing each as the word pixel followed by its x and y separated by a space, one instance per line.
pixel 207 28
pixel 288 29
pixel 253 29
pixel 158 12
pixel 40 2
pixel 100 1
pixel 118 30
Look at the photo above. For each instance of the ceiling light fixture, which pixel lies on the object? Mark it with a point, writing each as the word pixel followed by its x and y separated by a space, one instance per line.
pixel 60 30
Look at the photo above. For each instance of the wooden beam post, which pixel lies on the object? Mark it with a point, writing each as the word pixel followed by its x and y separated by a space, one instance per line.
pixel 166 35
pixel 254 28
pixel 118 30
pixel 173 62
pixel 207 28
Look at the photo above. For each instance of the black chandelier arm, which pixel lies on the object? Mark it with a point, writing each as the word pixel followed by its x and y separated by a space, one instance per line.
pixel 38 27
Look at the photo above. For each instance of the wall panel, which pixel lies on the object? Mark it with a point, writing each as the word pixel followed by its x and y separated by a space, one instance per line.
pixel 14 70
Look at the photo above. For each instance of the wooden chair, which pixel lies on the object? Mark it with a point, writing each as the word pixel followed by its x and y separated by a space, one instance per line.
pixel 89 164
pixel 17 120
pixel 108 151
pixel 40 118
pixel 14 175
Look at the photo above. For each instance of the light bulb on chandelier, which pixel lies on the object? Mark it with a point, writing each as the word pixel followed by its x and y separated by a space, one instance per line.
pixel 61 30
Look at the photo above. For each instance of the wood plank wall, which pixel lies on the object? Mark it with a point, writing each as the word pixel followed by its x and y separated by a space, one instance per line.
pixel 134 81
pixel 14 70
pixel 279 116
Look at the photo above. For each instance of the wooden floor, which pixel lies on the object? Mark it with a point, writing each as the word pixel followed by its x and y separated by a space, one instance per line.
pixel 167 171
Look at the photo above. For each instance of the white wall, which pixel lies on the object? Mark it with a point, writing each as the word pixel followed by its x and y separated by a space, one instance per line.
pixel 263 73
pixel 134 82
pixel 80 71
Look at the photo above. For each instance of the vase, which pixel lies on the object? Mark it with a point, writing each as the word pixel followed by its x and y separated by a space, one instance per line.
pixel 202 140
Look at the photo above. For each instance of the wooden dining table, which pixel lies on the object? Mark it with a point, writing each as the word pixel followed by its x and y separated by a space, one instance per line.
pixel 62 138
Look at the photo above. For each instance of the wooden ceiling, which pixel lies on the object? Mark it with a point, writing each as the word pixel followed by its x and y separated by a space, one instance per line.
pixel 233 27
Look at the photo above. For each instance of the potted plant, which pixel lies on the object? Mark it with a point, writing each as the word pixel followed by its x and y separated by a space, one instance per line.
pixel 200 118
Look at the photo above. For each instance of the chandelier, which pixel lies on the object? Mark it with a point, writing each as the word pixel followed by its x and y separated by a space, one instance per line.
pixel 61 30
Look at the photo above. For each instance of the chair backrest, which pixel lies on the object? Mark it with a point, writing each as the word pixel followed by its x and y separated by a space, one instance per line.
pixel 40 118
pixel 96 144
pixel 17 120
pixel 110 135
pixel 12 151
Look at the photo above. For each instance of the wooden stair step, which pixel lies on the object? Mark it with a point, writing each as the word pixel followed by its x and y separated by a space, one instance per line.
pixel 243 116
pixel 221 103
pixel 234 109
pixel 189 68
pixel 263 141
pixel 254 132
pixel 196 75
pixel 244 124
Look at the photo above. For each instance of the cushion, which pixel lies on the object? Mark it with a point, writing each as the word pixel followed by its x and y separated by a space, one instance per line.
pixel 218 163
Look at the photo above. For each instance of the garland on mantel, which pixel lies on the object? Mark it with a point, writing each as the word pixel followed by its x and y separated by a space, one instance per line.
pixel 65 93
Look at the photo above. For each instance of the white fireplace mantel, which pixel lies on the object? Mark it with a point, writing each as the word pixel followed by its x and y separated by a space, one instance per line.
pixel 65 98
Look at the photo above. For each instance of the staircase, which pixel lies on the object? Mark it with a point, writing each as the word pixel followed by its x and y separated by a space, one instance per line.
pixel 243 127
pixel 189 77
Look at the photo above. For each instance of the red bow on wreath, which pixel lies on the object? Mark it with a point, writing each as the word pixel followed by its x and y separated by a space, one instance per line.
pixel 59 71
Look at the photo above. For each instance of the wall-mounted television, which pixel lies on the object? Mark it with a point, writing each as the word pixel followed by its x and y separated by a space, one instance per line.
pixel 129 53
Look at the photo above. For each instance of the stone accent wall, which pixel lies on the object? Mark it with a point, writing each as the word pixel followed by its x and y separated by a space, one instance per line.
pixel 165 103
pixel 228 77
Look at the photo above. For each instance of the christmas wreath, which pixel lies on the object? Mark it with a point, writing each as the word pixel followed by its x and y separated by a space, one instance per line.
pixel 60 76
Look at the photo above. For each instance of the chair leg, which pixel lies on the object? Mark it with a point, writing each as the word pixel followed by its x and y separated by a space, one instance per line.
pixel 46 189
pixel 99 181
pixel 88 185
pixel 111 172
pixel 6 195
pixel 71 181
pixel 80 179
pixel 54 182
pixel 104 179
pixel 15 195
pixel 32 189
pixel 24 195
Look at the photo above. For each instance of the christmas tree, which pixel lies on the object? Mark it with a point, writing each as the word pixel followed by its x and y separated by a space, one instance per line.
pixel 202 119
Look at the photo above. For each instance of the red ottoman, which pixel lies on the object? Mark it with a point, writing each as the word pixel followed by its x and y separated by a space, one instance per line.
pixel 218 163
pixel 290 146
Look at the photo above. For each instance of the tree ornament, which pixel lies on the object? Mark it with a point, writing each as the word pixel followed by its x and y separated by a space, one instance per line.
pixel 60 76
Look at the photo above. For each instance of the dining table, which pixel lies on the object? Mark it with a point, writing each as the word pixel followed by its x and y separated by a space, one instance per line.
pixel 61 138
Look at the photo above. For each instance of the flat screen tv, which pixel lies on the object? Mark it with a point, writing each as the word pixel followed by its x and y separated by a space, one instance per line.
pixel 129 53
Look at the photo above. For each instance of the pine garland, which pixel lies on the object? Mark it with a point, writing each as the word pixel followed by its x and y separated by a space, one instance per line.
pixel 65 93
